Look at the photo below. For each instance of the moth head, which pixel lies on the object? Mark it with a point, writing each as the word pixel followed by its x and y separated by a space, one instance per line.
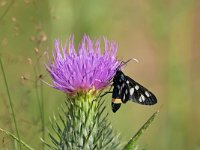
pixel 119 77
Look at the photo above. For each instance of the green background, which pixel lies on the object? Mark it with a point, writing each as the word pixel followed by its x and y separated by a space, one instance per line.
pixel 164 35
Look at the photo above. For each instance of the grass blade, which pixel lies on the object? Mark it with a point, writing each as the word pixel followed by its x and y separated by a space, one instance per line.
pixel 132 143
pixel 16 138
pixel 10 101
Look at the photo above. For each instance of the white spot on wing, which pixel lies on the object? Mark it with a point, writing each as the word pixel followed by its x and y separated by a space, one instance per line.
pixel 131 91
pixel 123 85
pixel 124 97
pixel 118 86
pixel 137 87
pixel 147 94
pixel 143 98
pixel 140 99
pixel 126 91
pixel 119 92
pixel 127 82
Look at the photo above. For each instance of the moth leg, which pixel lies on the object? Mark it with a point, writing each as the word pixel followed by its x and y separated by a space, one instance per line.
pixel 107 92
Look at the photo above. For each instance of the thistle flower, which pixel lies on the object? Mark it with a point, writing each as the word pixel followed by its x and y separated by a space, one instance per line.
pixel 81 74
pixel 85 69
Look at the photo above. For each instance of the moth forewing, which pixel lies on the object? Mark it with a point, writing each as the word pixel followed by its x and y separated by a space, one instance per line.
pixel 126 89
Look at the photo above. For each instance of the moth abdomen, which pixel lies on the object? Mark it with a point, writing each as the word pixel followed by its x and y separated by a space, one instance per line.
pixel 116 104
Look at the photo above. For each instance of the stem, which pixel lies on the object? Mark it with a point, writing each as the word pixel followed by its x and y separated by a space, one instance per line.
pixel 7 9
pixel 36 90
pixel 40 104
pixel 42 110
pixel 39 96
pixel 10 102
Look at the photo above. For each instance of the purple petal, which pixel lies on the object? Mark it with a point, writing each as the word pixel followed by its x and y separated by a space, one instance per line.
pixel 85 69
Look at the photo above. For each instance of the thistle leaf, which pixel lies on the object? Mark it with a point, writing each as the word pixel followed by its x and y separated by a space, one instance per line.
pixel 131 145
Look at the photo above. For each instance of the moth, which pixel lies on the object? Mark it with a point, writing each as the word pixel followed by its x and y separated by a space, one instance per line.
pixel 126 89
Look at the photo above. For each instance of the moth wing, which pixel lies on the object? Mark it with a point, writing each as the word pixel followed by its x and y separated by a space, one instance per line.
pixel 139 94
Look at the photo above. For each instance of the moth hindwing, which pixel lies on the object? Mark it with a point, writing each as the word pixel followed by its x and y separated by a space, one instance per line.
pixel 126 89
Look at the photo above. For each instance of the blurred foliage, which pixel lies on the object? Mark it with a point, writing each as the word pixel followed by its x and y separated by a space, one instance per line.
pixel 163 35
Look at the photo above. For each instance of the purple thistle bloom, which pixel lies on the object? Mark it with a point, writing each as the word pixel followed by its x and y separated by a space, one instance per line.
pixel 84 70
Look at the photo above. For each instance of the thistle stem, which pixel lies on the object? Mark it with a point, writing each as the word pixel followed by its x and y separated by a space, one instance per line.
pixel 10 102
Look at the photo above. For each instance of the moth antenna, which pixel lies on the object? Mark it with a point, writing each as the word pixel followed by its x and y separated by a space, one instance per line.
pixel 136 60
pixel 127 61
pixel 122 64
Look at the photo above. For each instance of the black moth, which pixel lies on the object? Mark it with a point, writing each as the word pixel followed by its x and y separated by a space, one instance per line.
pixel 126 89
